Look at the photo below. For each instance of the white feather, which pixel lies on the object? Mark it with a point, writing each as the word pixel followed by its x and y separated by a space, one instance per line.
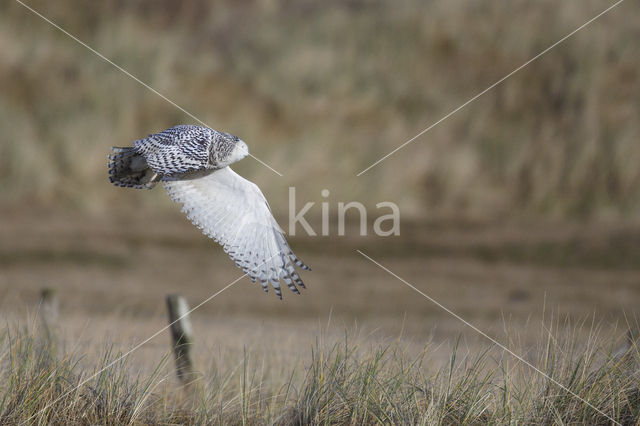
pixel 234 212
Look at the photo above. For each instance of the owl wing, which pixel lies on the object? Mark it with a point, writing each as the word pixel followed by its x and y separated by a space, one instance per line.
pixel 177 150
pixel 232 211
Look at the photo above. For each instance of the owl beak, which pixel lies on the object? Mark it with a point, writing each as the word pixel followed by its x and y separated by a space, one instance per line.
pixel 240 151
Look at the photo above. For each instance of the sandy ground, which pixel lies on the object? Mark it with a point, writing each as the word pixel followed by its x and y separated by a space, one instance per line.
pixel 113 274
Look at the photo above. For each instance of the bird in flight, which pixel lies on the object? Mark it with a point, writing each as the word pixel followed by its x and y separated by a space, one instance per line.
pixel 192 162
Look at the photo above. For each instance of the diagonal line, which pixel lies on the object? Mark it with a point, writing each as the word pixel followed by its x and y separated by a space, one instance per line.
pixel 128 74
pixel 494 341
pixel 492 86
pixel 133 349
pixel 144 342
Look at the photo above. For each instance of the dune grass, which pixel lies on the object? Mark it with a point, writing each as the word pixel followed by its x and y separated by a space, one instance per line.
pixel 347 381
pixel 322 90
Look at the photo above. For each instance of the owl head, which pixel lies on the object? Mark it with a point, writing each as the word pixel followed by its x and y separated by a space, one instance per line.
pixel 227 149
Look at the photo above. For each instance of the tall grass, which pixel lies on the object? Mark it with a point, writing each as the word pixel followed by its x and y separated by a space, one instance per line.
pixel 321 91
pixel 349 381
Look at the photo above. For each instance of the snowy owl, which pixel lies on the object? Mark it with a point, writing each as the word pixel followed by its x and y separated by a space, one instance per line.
pixel 192 162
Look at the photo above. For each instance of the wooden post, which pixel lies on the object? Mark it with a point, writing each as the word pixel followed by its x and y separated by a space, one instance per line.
pixel 49 308
pixel 182 337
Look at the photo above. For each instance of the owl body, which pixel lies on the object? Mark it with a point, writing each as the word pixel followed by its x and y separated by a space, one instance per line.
pixel 185 148
pixel 173 152
pixel 192 163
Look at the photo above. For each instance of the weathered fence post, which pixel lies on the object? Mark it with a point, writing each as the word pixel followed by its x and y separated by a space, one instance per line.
pixel 48 310
pixel 182 337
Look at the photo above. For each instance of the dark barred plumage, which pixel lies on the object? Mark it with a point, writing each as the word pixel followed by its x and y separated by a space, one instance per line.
pixel 192 163
pixel 130 170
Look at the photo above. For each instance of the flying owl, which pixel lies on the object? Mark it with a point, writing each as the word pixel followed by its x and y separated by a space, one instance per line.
pixel 192 162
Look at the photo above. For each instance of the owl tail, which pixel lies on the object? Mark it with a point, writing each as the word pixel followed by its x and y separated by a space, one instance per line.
pixel 129 169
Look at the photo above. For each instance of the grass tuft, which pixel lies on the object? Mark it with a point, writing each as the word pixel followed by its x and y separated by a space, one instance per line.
pixel 347 382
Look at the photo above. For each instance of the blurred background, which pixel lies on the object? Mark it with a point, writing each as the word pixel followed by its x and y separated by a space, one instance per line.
pixel 523 203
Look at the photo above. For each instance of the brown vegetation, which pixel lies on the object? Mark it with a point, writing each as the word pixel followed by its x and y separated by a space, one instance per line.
pixel 321 90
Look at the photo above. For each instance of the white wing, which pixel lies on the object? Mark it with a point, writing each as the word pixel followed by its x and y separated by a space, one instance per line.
pixel 232 211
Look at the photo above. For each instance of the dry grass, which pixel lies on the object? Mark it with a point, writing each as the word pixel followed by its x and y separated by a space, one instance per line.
pixel 344 380
pixel 356 347
pixel 322 90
